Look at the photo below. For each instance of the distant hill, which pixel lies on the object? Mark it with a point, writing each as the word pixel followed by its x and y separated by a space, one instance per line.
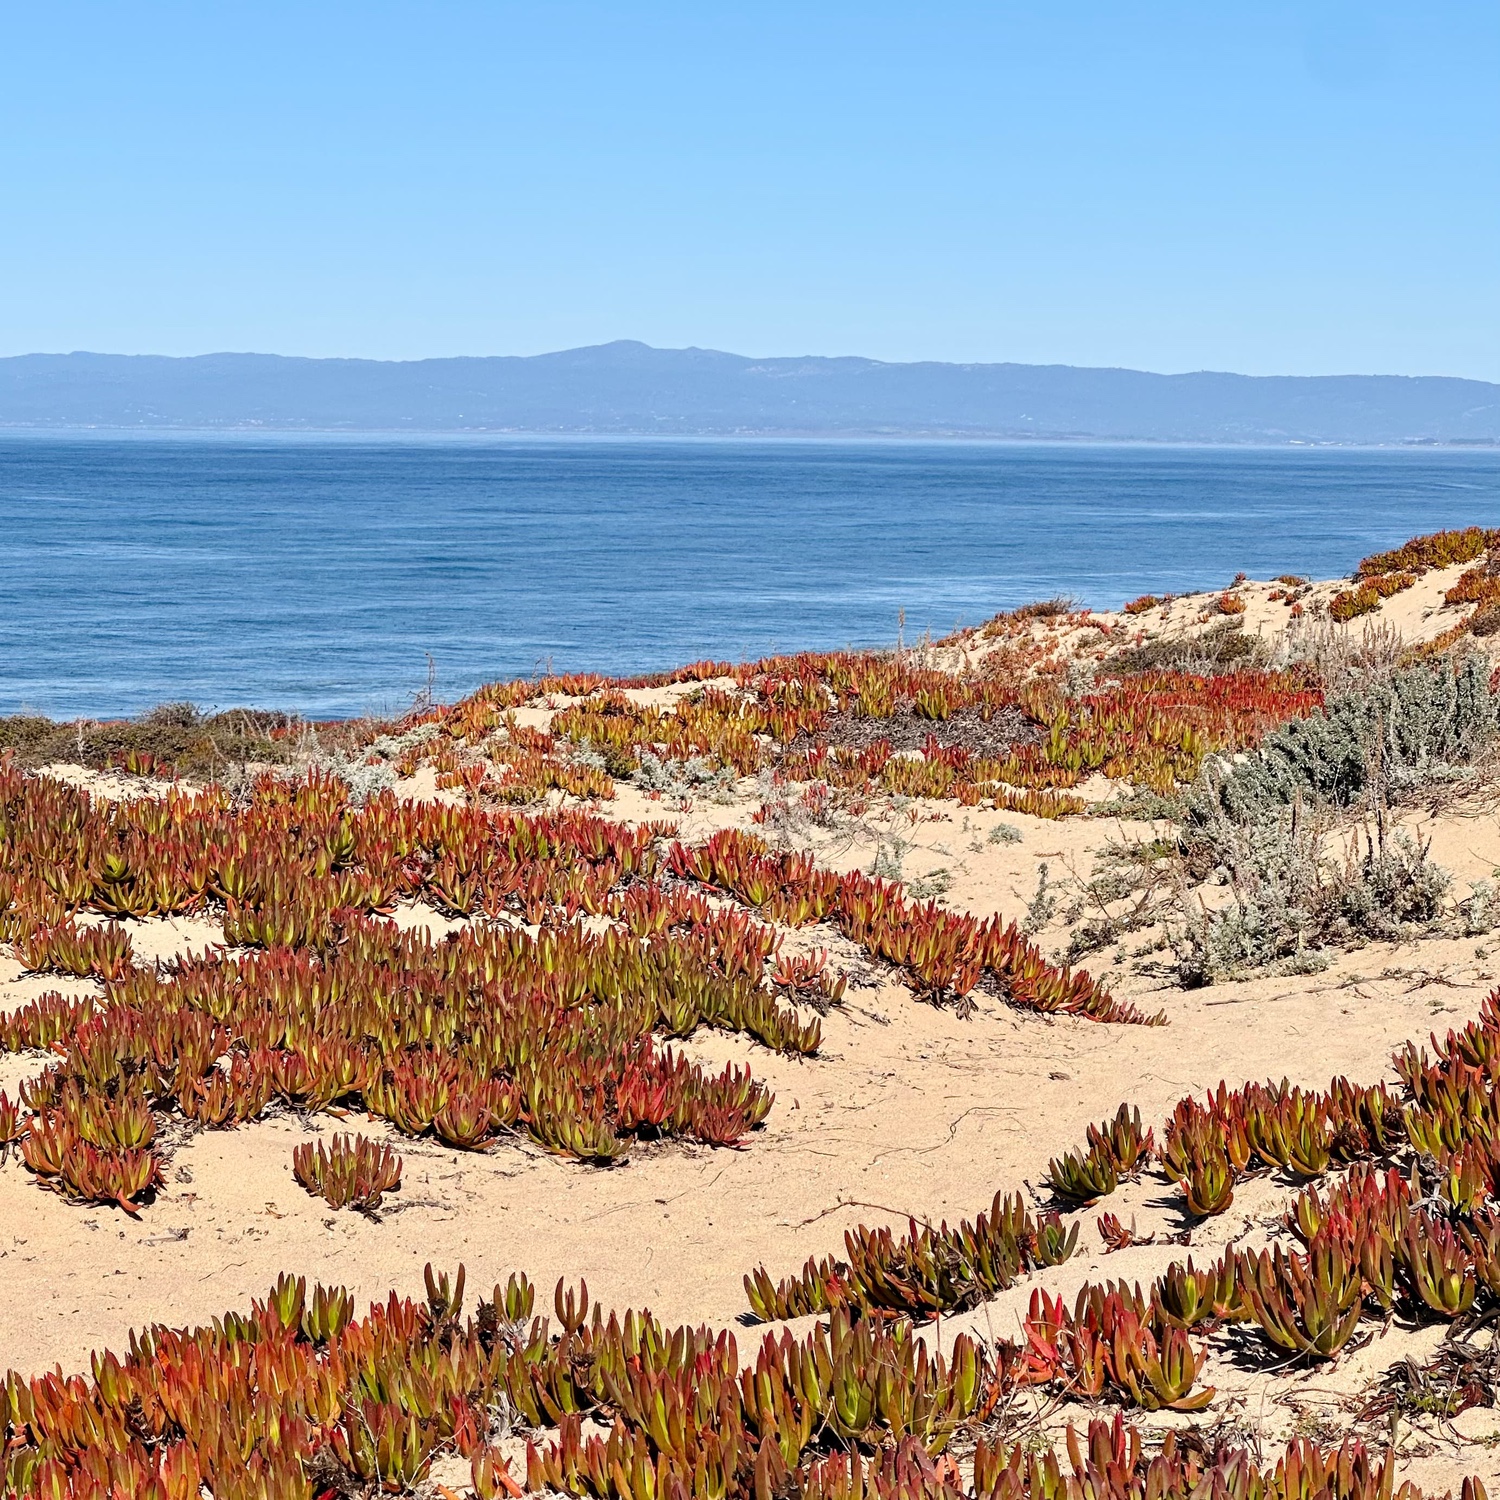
pixel 628 387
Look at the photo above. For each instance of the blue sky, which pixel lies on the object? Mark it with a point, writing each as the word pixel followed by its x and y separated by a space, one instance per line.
pixel 1298 188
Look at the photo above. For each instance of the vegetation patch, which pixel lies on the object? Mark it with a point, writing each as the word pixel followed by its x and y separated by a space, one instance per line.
pixel 585 951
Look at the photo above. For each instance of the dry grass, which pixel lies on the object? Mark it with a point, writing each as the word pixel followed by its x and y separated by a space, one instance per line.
pixel 175 738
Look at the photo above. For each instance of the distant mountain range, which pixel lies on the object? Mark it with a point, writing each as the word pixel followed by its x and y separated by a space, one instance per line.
pixel 631 388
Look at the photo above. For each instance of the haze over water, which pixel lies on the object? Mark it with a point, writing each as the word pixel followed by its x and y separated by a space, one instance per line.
pixel 318 574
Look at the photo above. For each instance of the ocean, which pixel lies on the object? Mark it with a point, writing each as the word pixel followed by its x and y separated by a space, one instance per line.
pixel 330 575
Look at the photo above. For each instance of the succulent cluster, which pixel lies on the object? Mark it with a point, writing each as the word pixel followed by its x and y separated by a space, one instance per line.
pixel 1114 1341
pixel 1367 595
pixel 1436 549
pixel 791 714
pixel 1154 728
pixel 63 947
pixel 326 1005
pixel 490 1031
pixel 944 954
pixel 1150 728
pixel 922 1273
pixel 1367 1247
pixel 941 771
pixel 1386 573
pixel 287 869
pixel 1265 1126
pixel 298 1398
pixel 1110 1463
pixel 1116 1149
pixel 352 1171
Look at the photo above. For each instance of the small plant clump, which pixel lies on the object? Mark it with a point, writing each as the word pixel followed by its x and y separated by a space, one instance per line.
pixel 1116 1149
pixel 1438 549
pixel 352 1171
pixel 922 1273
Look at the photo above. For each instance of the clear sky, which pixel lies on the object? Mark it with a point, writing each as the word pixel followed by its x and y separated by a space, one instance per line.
pixel 1309 187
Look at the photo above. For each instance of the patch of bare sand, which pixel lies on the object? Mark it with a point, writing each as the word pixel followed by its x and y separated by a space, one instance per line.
pixel 670 694
pixel 1417 614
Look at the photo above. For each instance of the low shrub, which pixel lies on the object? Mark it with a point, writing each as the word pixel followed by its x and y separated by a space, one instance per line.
pixel 1290 900
pixel 1422 725
pixel 1223 647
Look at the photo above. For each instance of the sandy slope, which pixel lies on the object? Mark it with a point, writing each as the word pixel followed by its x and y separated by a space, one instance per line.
pixel 908 1110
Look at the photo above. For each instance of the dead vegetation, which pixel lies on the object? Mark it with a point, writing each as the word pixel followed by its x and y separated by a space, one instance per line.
pixel 176 739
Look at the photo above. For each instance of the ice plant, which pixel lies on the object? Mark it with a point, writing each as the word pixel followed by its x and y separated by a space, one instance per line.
pixel 352 1171
pixel 1082 1178
pixel 926 1271
pixel 1305 1304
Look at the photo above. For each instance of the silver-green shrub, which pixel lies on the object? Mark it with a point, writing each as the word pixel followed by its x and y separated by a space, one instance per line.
pixel 1290 901
pixel 1262 825
pixel 1417 727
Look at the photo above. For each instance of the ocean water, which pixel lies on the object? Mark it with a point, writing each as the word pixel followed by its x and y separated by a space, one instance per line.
pixel 322 574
